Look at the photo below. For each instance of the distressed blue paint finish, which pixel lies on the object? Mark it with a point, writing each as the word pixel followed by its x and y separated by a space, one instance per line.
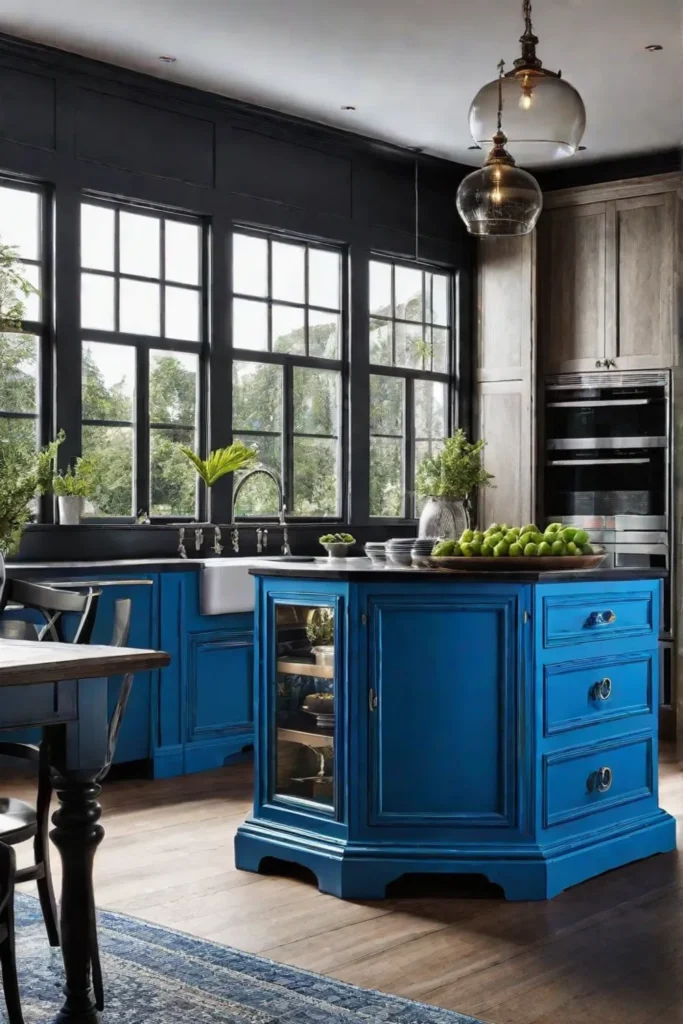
pixel 483 751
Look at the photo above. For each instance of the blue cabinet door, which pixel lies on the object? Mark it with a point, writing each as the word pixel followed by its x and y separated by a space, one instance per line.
pixel 444 672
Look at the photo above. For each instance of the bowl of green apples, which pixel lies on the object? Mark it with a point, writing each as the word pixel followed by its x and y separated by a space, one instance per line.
pixel 507 548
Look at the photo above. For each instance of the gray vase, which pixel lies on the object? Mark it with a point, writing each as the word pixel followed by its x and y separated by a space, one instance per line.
pixel 70 509
pixel 444 518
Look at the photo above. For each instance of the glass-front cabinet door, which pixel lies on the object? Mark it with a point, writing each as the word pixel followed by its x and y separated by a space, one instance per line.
pixel 303 732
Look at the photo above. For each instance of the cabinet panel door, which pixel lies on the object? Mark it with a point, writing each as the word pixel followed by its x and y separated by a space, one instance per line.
pixel 645 281
pixel 503 416
pixel 574 309
pixel 443 709
pixel 504 308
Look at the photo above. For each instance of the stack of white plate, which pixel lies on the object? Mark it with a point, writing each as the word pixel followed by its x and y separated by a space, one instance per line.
pixel 398 551
pixel 376 552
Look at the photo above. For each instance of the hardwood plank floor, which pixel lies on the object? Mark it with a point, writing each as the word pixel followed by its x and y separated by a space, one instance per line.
pixel 609 951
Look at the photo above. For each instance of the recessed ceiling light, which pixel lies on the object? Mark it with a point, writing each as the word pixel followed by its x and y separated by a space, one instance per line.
pixel 653 47
pixel 347 107
pixel 166 59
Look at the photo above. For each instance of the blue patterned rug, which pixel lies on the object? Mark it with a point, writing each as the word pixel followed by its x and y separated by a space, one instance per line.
pixel 157 976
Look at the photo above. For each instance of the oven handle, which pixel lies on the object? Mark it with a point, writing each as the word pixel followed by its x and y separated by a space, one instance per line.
pixel 590 402
pixel 584 443
pixel 597 462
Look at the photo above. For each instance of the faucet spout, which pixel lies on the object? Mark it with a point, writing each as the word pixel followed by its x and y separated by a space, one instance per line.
pixel 286 550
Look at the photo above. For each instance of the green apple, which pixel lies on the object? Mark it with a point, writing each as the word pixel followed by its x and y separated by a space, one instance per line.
pixel 486 549
pixel 568 533
pixel 544 548
pixel 443 548
pixel 553 527
pixel 525 538
pixel 467 536
pixel 530 528
pixel 496 538
pixel 476 547
pixel 558 547
pixel 501 549
pixel 572 548
pixel 587 549
pixel 466 549
pixel 515 550
pixel 530 549
pixel 581 538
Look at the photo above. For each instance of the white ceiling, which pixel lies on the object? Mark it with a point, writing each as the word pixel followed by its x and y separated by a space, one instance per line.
pixel 410 67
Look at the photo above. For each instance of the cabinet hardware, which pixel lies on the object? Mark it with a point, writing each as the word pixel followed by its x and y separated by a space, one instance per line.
pixel 598 363
pixel 372 700
pixel 526 617
pixel 600 781
pixel 602 690
pixel 605 618
pixel 364 620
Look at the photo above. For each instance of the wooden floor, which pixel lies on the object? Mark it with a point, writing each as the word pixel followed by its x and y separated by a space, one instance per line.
pixel 606 952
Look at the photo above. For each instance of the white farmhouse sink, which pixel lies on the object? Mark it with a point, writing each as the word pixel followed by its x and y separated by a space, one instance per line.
pixel 225 586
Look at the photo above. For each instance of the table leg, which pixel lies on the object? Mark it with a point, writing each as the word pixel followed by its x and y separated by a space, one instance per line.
pixel 77 834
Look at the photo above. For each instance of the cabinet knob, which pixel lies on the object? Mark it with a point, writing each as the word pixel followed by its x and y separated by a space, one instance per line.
pixel 598 364
pixel 602 690
pixel 372 700
pixel 600 619
pixel 600 781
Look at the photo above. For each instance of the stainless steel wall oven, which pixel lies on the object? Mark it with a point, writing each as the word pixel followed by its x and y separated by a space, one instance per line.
pixel 607 467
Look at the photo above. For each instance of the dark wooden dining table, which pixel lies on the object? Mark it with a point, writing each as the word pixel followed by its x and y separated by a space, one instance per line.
pixel 63 688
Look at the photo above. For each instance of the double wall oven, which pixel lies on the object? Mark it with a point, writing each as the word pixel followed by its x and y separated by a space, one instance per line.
pixel 608 460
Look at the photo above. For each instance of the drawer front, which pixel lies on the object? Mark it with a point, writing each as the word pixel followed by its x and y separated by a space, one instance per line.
pixel 578 694
pixel 592 780
pixel 597 617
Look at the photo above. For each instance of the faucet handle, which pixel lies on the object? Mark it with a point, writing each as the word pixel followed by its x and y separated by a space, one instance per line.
pixel 283 513
pixel 235 538
pixel 259 540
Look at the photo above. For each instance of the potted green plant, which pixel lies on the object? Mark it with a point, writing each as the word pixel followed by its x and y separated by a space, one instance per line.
pixel 24 474
pixel 222 461
pixel 447 480
pixel 320 633
pixel 72 488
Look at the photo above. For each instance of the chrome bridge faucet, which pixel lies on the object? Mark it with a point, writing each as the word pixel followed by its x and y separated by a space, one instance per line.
pixel 262 535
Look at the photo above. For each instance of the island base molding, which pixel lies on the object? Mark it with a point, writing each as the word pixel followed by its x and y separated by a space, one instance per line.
pixel 355 872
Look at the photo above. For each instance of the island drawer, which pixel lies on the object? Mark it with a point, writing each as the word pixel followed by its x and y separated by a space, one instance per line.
pixel 593 780
pixel 578 694
pixel 598 616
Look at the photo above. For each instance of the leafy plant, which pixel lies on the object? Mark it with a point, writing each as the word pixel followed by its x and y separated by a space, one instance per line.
pixel 23 475
pixel 14 288
pixel 455 471
pixel 222 461
pixel 78 480
pixel 320 627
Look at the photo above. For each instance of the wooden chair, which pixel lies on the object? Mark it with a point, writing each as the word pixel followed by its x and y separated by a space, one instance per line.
pixel 21 821
pixel 8 957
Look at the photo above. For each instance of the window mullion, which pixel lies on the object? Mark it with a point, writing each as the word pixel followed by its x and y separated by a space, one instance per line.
pixel 288 436
pixel 409 449
pixel 141 476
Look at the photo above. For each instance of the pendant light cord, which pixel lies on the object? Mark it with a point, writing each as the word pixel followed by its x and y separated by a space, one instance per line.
pixel 501 67
pixel 416 189
pixel 526 14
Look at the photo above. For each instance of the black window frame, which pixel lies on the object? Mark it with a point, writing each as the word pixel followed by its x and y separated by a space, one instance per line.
pixel 288 361
pixel 143 344
pixel 410 376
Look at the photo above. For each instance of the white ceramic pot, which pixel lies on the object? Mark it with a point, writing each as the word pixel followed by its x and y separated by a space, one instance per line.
pixel 70 509
pixel 444 518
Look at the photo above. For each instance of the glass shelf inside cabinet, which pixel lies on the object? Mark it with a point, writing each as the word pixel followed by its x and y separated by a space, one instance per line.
pixel 304 705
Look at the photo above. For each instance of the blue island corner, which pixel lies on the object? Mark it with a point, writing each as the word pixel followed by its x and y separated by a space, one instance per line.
pixel 503 725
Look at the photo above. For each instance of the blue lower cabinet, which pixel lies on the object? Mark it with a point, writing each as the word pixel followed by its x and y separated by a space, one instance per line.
pixel 204 714
pixel 501 729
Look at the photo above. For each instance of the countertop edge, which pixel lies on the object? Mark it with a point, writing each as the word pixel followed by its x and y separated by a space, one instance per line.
pixel 366 575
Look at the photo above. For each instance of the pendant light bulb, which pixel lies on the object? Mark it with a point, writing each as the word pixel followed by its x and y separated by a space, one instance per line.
pixel 545 116
pixel 500 198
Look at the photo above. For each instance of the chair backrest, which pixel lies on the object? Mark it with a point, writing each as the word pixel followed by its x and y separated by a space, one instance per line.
pixel 52 603
pixel 123 609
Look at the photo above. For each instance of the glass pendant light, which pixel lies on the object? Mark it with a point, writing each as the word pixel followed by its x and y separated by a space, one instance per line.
pixel 545 117
pixel 500 198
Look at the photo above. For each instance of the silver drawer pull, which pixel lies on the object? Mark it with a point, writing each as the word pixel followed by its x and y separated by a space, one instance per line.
pixel 600 781
pixel 602 690
pixel 601 618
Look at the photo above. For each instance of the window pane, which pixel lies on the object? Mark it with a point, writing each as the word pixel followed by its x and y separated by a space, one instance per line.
pixel 260 495
pixel 315 477
pixel 173 388
pixel 439 350
pixel 316 401
pixel 288 329
pixel 324 271
pixel 97 237
pixel 32 303
pixel 139 307
pixel 23 433
pixel 386 476
pixel 250 265
pixel 430 409
pixel 108 382
pixel 182 313
pixel 256 396
pixel 19 373
pixel 324 334
pixel 408 293
pixel 386 405
pixel 249 324
pixel 288 271
pixel 439 311
pixel 181 257
pixel 139 244
pixel 411 348
pixel 112 448
pixel 97 302
pixel 20 220
pixel 380 288
pixel 173 481
pixel 381 342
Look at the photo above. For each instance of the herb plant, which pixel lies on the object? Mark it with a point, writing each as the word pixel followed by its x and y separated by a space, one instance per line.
pixel 455 471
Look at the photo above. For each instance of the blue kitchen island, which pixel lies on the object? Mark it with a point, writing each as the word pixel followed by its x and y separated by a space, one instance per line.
pixel 414 721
